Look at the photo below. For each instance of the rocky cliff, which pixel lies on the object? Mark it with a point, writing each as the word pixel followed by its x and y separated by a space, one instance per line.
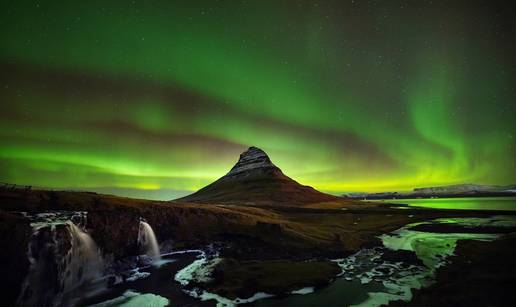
pixel 113 223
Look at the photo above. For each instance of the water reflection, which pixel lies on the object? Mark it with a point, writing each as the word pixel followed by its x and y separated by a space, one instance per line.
pixel 465 203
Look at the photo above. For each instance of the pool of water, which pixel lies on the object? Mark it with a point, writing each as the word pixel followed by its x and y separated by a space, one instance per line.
pixel 465 203
pixel 155 287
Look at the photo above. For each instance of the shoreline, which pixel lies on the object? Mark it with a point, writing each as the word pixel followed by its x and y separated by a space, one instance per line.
pixel 479 274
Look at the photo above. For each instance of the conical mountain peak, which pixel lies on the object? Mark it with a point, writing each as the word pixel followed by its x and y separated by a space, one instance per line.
pixel 254 179
pixel 252 158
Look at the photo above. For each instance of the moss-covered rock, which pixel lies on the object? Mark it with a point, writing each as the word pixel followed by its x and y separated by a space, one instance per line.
pixel 233 278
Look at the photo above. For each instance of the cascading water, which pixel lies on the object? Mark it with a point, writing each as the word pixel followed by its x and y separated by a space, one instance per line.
pixel 84 261
pixel 147 241
pixel 62 257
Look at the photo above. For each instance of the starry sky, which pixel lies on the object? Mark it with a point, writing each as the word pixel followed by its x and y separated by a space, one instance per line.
pixel 158 98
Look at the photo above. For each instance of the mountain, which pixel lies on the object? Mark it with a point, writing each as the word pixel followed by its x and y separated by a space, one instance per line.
pixel 468 187
pixel 456 190
pixel 256 180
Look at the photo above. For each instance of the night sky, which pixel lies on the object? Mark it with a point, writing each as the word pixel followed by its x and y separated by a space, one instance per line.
pixel 157 98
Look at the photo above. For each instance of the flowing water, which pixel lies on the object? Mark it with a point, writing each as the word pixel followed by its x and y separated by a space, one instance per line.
pixel 60 247
pixel 67 268
pixel 62 257
pixel 148 242
pixel 369 278
pixel 151 285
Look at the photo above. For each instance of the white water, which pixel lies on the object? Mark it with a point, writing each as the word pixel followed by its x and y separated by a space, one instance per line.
pixel 83 261
pixel 432 249
pixel 147 240
pixel 62 258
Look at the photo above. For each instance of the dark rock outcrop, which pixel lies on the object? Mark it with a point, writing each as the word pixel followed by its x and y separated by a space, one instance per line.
pixel 15 234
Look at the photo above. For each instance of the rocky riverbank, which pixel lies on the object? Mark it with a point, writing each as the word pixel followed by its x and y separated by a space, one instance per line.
pixel 479 274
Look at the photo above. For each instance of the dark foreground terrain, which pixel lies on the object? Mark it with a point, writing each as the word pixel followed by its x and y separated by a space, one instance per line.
pixel 480 274
pixel 253 239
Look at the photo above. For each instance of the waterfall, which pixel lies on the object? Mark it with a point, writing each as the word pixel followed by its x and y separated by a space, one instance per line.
pixel 147 241
pixel 84 261
pixel 62 258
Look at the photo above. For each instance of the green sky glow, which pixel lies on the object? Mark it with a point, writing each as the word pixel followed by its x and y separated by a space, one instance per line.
pixel 343 96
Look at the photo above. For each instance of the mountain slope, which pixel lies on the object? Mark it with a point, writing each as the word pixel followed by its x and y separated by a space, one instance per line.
pixel 255 179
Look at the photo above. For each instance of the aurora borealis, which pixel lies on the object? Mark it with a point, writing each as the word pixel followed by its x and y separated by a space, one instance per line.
pixel 343 95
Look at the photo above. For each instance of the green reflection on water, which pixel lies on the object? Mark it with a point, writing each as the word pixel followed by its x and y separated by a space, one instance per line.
pixel 465 203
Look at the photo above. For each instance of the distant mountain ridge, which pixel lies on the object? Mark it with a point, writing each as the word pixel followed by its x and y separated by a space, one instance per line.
pixel 255 179
pixel 456 190
pixel 465 188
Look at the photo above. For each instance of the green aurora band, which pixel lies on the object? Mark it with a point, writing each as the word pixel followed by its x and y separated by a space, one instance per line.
pixel 147 95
